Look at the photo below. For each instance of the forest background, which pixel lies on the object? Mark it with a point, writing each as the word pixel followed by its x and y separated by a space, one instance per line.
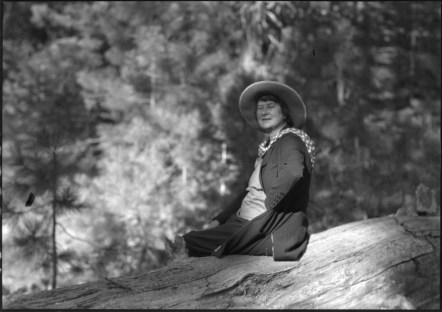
pixel 122 119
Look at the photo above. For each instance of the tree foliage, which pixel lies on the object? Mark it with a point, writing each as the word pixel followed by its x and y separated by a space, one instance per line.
pixel 146 95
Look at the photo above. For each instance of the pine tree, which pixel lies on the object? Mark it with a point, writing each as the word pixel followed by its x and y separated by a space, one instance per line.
pixel 42 169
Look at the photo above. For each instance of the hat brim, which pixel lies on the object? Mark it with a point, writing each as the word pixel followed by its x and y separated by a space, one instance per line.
pixel 250 96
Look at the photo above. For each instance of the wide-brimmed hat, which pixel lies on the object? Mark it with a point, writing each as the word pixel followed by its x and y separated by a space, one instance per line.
pixel 249 98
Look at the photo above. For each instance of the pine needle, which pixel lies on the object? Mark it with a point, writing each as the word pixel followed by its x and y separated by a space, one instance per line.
pixel 118 284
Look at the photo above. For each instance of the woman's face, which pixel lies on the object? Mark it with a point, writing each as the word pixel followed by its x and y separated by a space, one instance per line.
pixel 269 115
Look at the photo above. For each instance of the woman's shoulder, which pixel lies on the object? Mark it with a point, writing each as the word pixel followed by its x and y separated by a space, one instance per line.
pixel 290 140
pixel 293 141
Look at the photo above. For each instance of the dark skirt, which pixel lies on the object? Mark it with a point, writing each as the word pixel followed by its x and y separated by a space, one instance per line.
pixel 203 243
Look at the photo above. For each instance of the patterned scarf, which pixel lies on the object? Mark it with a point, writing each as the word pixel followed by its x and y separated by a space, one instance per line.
pixel 265 146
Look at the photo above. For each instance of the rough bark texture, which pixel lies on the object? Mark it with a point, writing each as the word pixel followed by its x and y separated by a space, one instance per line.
pixel 382 263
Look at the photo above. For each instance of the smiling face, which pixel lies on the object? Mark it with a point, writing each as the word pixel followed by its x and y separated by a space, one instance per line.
pixel 269 116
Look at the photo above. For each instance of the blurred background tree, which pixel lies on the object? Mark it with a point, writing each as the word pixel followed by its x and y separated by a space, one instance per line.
pixel 146 95
pixel 43 166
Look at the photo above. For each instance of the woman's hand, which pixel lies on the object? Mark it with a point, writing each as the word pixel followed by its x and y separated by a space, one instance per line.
pixel 211 225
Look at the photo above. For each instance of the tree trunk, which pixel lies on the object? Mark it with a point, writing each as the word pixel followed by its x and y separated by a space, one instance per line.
pixel 382 263
pixel 54 221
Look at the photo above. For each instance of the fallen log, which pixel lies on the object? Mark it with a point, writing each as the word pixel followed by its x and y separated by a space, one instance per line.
pixel 382 263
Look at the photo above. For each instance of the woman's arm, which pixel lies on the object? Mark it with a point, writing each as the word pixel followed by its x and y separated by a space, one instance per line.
pixel 290 157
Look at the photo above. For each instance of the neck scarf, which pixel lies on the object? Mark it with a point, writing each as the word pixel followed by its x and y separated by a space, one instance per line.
pixel 265 146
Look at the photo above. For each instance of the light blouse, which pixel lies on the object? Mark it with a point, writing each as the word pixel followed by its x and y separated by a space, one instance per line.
pixel 253 203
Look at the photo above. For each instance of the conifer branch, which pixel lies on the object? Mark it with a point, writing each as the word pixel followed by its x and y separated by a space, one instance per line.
pixel 75 237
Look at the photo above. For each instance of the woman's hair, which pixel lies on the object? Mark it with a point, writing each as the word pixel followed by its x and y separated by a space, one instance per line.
pixel 282 104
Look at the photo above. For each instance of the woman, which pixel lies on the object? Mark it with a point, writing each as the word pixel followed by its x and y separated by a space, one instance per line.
pixel 269 216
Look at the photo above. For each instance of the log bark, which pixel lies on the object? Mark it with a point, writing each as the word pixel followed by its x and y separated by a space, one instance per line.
pixel 382 263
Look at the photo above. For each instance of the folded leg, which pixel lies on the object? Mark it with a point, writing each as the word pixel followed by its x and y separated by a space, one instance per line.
pixel 202 243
